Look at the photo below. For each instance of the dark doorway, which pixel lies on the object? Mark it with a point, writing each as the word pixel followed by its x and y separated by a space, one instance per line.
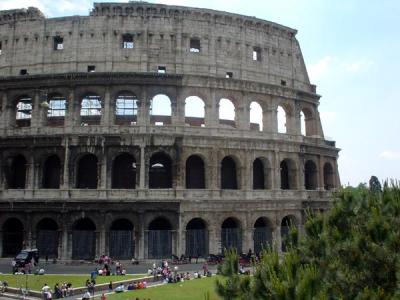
pixel 284 176
pixel 286 224
pixel 262 235
pixel 310 175
pixel 47 238
pixel 13 235
pixel 195 173
pixel 196 238
pixel 258 175
pixel 124 172
pixel 160 238
pixel 17 173
pixel 51 173
pixel 84 239
pixel 87 172
pixel 228 174
pixel 160 173
pixel 231 236
pixel 122 244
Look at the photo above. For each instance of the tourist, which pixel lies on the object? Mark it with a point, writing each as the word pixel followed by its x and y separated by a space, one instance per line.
pixel 45 289
pixel 86 296
pixel 205 268
pixel 110 286
pixel 120 288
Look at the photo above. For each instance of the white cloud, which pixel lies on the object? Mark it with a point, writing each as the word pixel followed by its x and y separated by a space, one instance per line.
pixel 390 155
pixel 357 66
pixel 319 69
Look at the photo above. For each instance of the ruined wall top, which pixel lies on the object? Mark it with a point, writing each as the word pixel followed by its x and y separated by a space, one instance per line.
pixel 23 14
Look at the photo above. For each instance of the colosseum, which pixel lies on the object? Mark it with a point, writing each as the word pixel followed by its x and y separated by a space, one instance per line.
pixel 146 130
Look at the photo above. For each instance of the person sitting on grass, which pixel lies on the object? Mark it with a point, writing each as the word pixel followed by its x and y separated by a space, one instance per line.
pixel 130 287
pixel 86 296
pixel 120 288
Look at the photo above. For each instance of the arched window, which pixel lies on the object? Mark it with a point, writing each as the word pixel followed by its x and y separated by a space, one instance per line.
pixel 286 224
pixel 195 173
pixel 159 238
pixel 56 110
pixel 262 234
pixel 256 116
pixel 258 175
pixel 47 238
pixel 228 174
pixel 90 110
pixel 160 110
pixel 122 242
pixel 126 108
pixel 51 173
pixel 310 175
pixel 282 120
pixel 302 123
pixel 13 236
pixel 226 113
pixel 124 172
pixel 194 111
pixel 288 175
pixel 87 172
pixel 328 177
pixel 84 239
pixel 231 236
pixel 17 173
pixel 196 238
pixel 160 171
pixel 24 111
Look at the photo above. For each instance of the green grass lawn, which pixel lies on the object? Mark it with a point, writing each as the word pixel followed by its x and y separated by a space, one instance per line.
pixel 194 289
pixel 36 282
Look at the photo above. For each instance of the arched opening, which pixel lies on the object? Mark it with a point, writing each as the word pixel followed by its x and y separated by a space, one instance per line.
pixel 226 113
pixel 84 239
pixel 288 175
pixel 13 236
pixel 194 111
pixel 24 111
pixel 262 234
pixel 310 175
pixel 258 175
pixel 160 110
pixel 122 242
pixel 196 238
pixel 228 174
pixel 56 110
pixel 87 172
pixel 126 108
pixel 51 173
pixel 256 116
pixel 124 172
pixel 17 173
pixel 160 238
pixel 90 110
pixel 282 120
pixel 47 238
pixel 286 224
pixel 328 177
pixel 231 236
pixel 160 172
pixel 302 124
pixel 195 178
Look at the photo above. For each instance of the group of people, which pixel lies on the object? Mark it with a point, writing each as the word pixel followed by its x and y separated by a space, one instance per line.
pixel 105 270
pixel 60 291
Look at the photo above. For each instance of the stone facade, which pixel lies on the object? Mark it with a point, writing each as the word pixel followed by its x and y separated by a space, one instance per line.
pixel 85 161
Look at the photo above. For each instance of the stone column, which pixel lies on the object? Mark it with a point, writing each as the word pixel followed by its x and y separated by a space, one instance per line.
pixel 321 173
pixel 35 121
pixel 214 240
pixel 65 184
pixel 211 111
pixel 64 239
pixel 248 242
pixel 276 167
pixel 243 116
pixel 142 178
pixel 106 107
pixel 3 115
pixel 30 173
pixel 103 170
pixel 277 239
pixel 300 173
pixel 69 116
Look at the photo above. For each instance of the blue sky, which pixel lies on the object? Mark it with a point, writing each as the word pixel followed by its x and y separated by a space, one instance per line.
pixel 351 50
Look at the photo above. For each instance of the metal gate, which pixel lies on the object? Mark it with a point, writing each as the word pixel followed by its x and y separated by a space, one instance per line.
pixel 12 243
pixel 196 242
pixel 159 244
pixel 231 238
pixel 262 238
pixel 122 245
pixel 83 244
pixel 47 243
